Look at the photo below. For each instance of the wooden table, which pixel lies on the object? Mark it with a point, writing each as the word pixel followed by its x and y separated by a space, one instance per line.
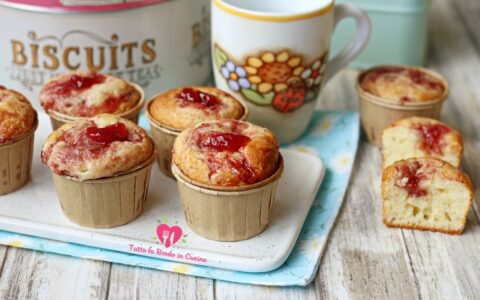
pixel 363 259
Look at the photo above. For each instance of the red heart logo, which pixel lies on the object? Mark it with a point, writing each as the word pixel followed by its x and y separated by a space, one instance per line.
pixel 169 235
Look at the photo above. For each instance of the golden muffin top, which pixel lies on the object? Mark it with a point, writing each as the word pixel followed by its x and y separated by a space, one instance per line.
pixel 102 146
pixel 402 84
pixel 226 153
pixel 86 94
pixel 186 107
pixel 17 115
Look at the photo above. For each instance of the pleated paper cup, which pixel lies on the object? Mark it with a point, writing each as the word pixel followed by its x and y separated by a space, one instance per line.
pixel 106 202
pixel 16 161
pixel 164 137
pixel 227 213
pixel 58 119
pixel 377 113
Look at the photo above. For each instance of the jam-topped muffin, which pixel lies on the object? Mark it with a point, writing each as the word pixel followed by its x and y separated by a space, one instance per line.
pixel 403 84
pixel 18 121
pixel 86 94
pixel 426 194
pixel 101 146
pixel 227 153
pixel 186 107
pixel 421 137
pixel 17 115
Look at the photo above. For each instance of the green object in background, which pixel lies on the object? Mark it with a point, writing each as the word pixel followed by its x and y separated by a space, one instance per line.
pixel 399 32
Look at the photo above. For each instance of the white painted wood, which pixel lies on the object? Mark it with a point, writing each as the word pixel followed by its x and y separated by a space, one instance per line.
pixel 137 283
pixel 364 259
pixel 36 275
pixel 3 252
pixel 231 291
pixel 446 266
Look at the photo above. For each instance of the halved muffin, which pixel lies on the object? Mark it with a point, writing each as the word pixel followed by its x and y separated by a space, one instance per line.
pixel 426 194
pixel 421 137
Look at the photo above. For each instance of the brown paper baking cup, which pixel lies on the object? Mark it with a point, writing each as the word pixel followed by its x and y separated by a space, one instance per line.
pixel 58 119
pixel 164 136
pixel 106 202
pixel 227 213
pixel 16 161
pixel 377 113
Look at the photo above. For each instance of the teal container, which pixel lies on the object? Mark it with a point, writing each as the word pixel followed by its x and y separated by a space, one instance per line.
pixel 399 32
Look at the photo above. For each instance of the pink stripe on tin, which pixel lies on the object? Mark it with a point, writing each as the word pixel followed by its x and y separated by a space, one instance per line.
pixel 78 5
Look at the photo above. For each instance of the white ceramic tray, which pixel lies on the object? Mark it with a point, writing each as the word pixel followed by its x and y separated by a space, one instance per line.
pixel 34 210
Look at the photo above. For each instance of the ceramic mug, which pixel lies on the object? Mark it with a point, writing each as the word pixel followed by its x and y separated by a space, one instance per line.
pixel 274 55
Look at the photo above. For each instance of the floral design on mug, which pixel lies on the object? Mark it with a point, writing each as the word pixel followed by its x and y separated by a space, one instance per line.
pixel 277 79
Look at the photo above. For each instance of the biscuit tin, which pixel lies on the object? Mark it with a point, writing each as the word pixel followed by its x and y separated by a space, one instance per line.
pixel 135 40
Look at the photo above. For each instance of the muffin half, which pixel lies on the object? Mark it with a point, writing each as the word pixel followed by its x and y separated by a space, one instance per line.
pixel 426 194
pixel 421 137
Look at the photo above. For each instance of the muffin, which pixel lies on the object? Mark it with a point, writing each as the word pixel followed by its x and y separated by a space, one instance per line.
pixel 176 110
pixel 426 194
pixel 391 93
pixel 101 169
pixel 221 168
pixel 421 137
pixel 79 94
pixel 18 121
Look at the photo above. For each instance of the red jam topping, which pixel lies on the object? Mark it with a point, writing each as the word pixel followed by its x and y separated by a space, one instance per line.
pixel 230 142
pixel 244 171
pixel 108 134
pixel 76 83
pixel 413 179
pixel 112 103
pixel 432 137
pixel 2 87
pixel 421 78
pixel 88 143
pixel 189 95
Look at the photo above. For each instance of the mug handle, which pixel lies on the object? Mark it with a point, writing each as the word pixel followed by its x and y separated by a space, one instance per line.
pixel 356 45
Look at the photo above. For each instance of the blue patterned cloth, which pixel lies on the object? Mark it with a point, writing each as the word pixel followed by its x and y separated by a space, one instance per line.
pixel 333 136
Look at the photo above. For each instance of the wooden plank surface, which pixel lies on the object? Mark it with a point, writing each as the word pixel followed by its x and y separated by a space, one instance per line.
pixel 137 283
pixel 36 275
pixel 364 259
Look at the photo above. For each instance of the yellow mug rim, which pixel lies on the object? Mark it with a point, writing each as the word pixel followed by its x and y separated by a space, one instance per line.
pixel 269 17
